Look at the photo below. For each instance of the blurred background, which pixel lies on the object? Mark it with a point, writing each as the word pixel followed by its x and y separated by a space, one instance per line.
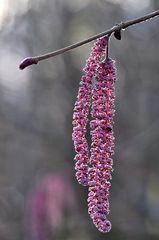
pixel 40 198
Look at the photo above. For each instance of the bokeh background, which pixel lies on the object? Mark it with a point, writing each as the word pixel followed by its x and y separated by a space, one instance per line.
pixel 40 198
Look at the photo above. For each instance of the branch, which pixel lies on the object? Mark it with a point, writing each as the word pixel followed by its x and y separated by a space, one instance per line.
pixel 118 27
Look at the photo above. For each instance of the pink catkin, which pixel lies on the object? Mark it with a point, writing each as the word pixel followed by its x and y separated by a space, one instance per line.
pixel 81 111
pixel 102 147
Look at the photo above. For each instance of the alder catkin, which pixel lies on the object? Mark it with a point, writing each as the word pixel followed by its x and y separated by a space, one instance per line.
pixel 81 111
pixel 96 90
pixel 102 147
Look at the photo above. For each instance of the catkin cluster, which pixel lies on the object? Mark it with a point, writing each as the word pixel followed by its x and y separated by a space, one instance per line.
pixel 93 166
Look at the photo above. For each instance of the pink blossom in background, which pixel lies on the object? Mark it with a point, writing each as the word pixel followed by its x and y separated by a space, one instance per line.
pixel 102 147
pixel 46 206
pixel 81 111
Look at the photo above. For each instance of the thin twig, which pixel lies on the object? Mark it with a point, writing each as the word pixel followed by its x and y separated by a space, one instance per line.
pixel 123 25
pixel 107 49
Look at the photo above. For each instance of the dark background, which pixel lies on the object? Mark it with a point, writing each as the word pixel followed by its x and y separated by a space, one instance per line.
pixel 36 107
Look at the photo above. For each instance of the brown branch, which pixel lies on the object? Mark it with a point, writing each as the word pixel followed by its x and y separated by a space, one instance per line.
pixel 123 25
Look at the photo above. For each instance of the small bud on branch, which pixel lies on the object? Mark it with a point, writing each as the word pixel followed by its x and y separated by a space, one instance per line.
pixel 27 62
pixel 117 34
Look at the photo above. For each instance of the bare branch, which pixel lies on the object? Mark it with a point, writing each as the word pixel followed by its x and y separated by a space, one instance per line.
pixel 123 25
